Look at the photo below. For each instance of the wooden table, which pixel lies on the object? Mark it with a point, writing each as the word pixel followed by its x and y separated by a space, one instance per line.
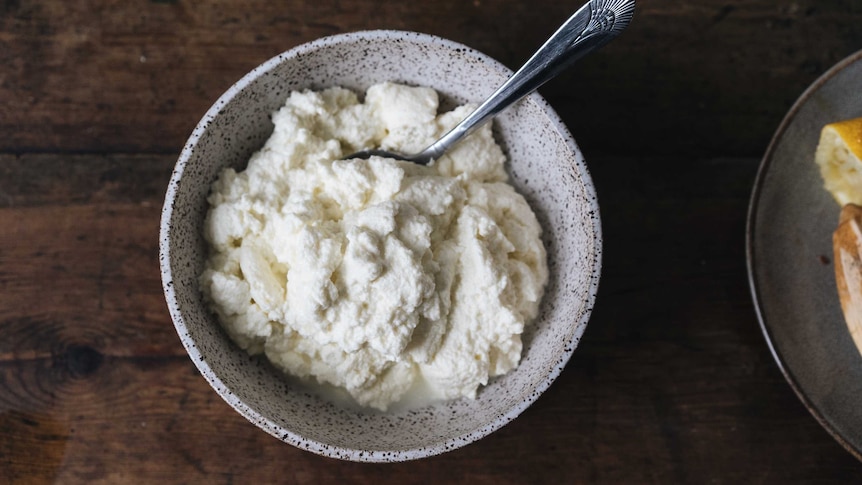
pixel 673 382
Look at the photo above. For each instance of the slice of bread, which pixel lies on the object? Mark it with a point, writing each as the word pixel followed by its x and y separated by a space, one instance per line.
pixel 847 249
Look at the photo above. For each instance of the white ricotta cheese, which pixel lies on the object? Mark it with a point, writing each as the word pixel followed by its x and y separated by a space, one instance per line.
pixel 376 276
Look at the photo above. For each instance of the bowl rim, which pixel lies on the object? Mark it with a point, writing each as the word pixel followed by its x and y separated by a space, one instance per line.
pixel 292 437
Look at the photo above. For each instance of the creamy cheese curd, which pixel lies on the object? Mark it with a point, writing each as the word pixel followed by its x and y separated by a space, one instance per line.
pixel 376 276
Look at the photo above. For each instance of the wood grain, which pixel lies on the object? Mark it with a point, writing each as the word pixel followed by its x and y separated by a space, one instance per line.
pixel 673 381
pixel 136 76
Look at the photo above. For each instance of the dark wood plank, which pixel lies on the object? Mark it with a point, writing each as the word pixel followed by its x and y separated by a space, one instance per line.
pixel 672 383
pixel 79 255
pixel 137 76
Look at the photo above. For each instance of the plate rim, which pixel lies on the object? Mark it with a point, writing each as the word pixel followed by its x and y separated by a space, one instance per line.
pixel 753 282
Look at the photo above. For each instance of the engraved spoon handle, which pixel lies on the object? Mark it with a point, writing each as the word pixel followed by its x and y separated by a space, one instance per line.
pixel 592 26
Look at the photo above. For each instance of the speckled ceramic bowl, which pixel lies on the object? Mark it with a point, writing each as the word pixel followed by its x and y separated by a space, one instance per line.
pixel 546 166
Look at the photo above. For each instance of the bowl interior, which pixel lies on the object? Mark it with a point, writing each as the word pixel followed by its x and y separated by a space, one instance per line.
pixel 545 166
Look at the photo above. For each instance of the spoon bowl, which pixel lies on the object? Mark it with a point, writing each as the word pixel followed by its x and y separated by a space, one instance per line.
pixel 595 24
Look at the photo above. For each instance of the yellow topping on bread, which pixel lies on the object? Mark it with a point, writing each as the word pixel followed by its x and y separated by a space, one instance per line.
pixel 839 155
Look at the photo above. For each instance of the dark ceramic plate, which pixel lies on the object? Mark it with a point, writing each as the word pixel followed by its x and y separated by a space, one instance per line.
pixel 789 249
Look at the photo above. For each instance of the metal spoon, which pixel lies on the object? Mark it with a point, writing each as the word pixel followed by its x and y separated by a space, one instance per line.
pixel 592 26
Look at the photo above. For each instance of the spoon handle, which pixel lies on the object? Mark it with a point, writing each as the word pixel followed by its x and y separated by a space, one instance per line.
pixel 592 26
